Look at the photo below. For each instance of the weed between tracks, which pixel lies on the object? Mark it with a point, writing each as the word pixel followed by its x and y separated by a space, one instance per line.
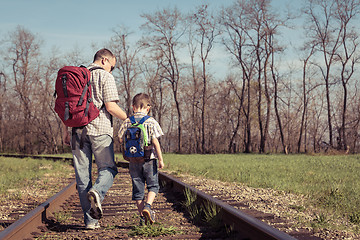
pixel 208 212
pixel 62 217
pixel 154 230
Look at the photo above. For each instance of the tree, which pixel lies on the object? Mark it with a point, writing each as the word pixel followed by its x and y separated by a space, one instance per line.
pixel 346 11
pixel 2 108
pixel 323 30
pixel 127 64
pixel 205 31
pixel 22 52
pixel 236 26
pixel 164 30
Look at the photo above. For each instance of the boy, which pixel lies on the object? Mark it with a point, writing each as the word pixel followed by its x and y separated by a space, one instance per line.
pixel 144 170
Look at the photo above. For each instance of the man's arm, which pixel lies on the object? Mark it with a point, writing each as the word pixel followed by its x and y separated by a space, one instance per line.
pixel 156 143
pixel 115 110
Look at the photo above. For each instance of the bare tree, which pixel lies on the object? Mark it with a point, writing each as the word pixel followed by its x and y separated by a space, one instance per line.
pixel 164 30
pixel 205 31
pixel 251 29
pixel 323 29
pixel 240 94
pixel 346 11
pixel 236 22
pixel 151 68
pixel 2 103
pixel 194 93
pixel 23 49
pixel 305 98
pixel 127 63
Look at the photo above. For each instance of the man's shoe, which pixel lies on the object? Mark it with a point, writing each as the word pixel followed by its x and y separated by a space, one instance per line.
pixel 92 226
pixel 96 211
pixel 148 214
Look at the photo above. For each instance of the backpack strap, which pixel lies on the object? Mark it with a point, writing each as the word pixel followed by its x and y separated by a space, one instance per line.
pixel 86 86
pixel 139 124
pixel 132 119
pixel 144 119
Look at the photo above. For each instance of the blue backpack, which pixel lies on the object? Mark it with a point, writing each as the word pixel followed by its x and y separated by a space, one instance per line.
pixel 136 140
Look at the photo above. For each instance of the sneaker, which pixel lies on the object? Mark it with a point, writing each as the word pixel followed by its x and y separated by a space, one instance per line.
pixel 96 211
pixel 148 214
pixel 92 226
pixel 142 221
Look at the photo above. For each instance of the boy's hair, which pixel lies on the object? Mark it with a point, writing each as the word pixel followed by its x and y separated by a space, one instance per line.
pixel 141 100
pixel 103 53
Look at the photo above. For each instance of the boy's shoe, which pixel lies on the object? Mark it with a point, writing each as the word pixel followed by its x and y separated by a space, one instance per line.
pixel 142 221
pixel 148 214
pixel 92 226
pixel 96 211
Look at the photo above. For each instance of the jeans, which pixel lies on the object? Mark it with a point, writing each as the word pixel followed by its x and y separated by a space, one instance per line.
pixel 141 173
pixel 103 150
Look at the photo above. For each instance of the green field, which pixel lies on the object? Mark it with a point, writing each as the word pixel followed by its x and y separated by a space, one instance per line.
pixel 332 182
pixel 17 172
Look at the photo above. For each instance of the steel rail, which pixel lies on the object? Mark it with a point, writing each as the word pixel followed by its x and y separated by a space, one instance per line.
pixel 241 222
pixel 22 228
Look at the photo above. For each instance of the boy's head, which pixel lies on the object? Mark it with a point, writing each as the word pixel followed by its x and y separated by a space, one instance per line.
pixel 141 101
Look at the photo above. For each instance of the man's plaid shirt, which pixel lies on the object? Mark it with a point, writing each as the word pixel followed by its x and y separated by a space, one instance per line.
pixel 103 90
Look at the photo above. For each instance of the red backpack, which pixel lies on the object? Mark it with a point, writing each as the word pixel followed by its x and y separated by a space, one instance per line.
pixel 74 103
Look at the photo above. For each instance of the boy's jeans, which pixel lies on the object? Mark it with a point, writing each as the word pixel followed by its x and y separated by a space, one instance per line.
pixel 103 149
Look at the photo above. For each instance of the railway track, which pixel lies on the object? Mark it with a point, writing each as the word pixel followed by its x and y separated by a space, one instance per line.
pixel 120 215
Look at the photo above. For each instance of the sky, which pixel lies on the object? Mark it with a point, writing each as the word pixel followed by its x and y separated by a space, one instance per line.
pixel 70 24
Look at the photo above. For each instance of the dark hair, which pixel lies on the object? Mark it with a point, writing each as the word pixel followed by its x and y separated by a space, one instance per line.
pixel 141 100
pixel 103 53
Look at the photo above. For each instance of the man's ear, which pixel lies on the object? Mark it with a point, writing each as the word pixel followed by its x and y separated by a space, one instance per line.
pixel 103 61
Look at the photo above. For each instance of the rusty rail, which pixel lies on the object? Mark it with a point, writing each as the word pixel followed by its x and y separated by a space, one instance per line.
pixel 22 228
pixel 244 224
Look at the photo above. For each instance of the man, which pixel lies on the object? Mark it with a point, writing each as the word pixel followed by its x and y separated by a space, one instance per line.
pixel 96 139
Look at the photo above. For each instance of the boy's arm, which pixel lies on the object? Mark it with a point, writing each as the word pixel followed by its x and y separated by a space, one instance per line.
pixel 156 143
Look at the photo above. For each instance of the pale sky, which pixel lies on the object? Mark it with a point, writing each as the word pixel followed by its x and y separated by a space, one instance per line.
pixel 69 23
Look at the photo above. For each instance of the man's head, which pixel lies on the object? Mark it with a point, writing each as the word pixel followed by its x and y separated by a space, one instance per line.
pixel 141 101
pixel 105 59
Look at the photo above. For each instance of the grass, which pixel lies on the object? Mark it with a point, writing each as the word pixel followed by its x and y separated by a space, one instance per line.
pixel 62 217
pixel 17 172
pixel 330 181
pixel 152 230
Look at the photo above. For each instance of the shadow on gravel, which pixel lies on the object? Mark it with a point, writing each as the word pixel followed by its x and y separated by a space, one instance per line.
pixel 55 226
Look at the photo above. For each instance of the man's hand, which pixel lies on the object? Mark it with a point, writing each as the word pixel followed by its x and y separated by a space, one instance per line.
pixel 66 138
pixel 66 135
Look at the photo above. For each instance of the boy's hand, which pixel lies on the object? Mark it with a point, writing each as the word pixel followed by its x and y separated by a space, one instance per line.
pixel 161 164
